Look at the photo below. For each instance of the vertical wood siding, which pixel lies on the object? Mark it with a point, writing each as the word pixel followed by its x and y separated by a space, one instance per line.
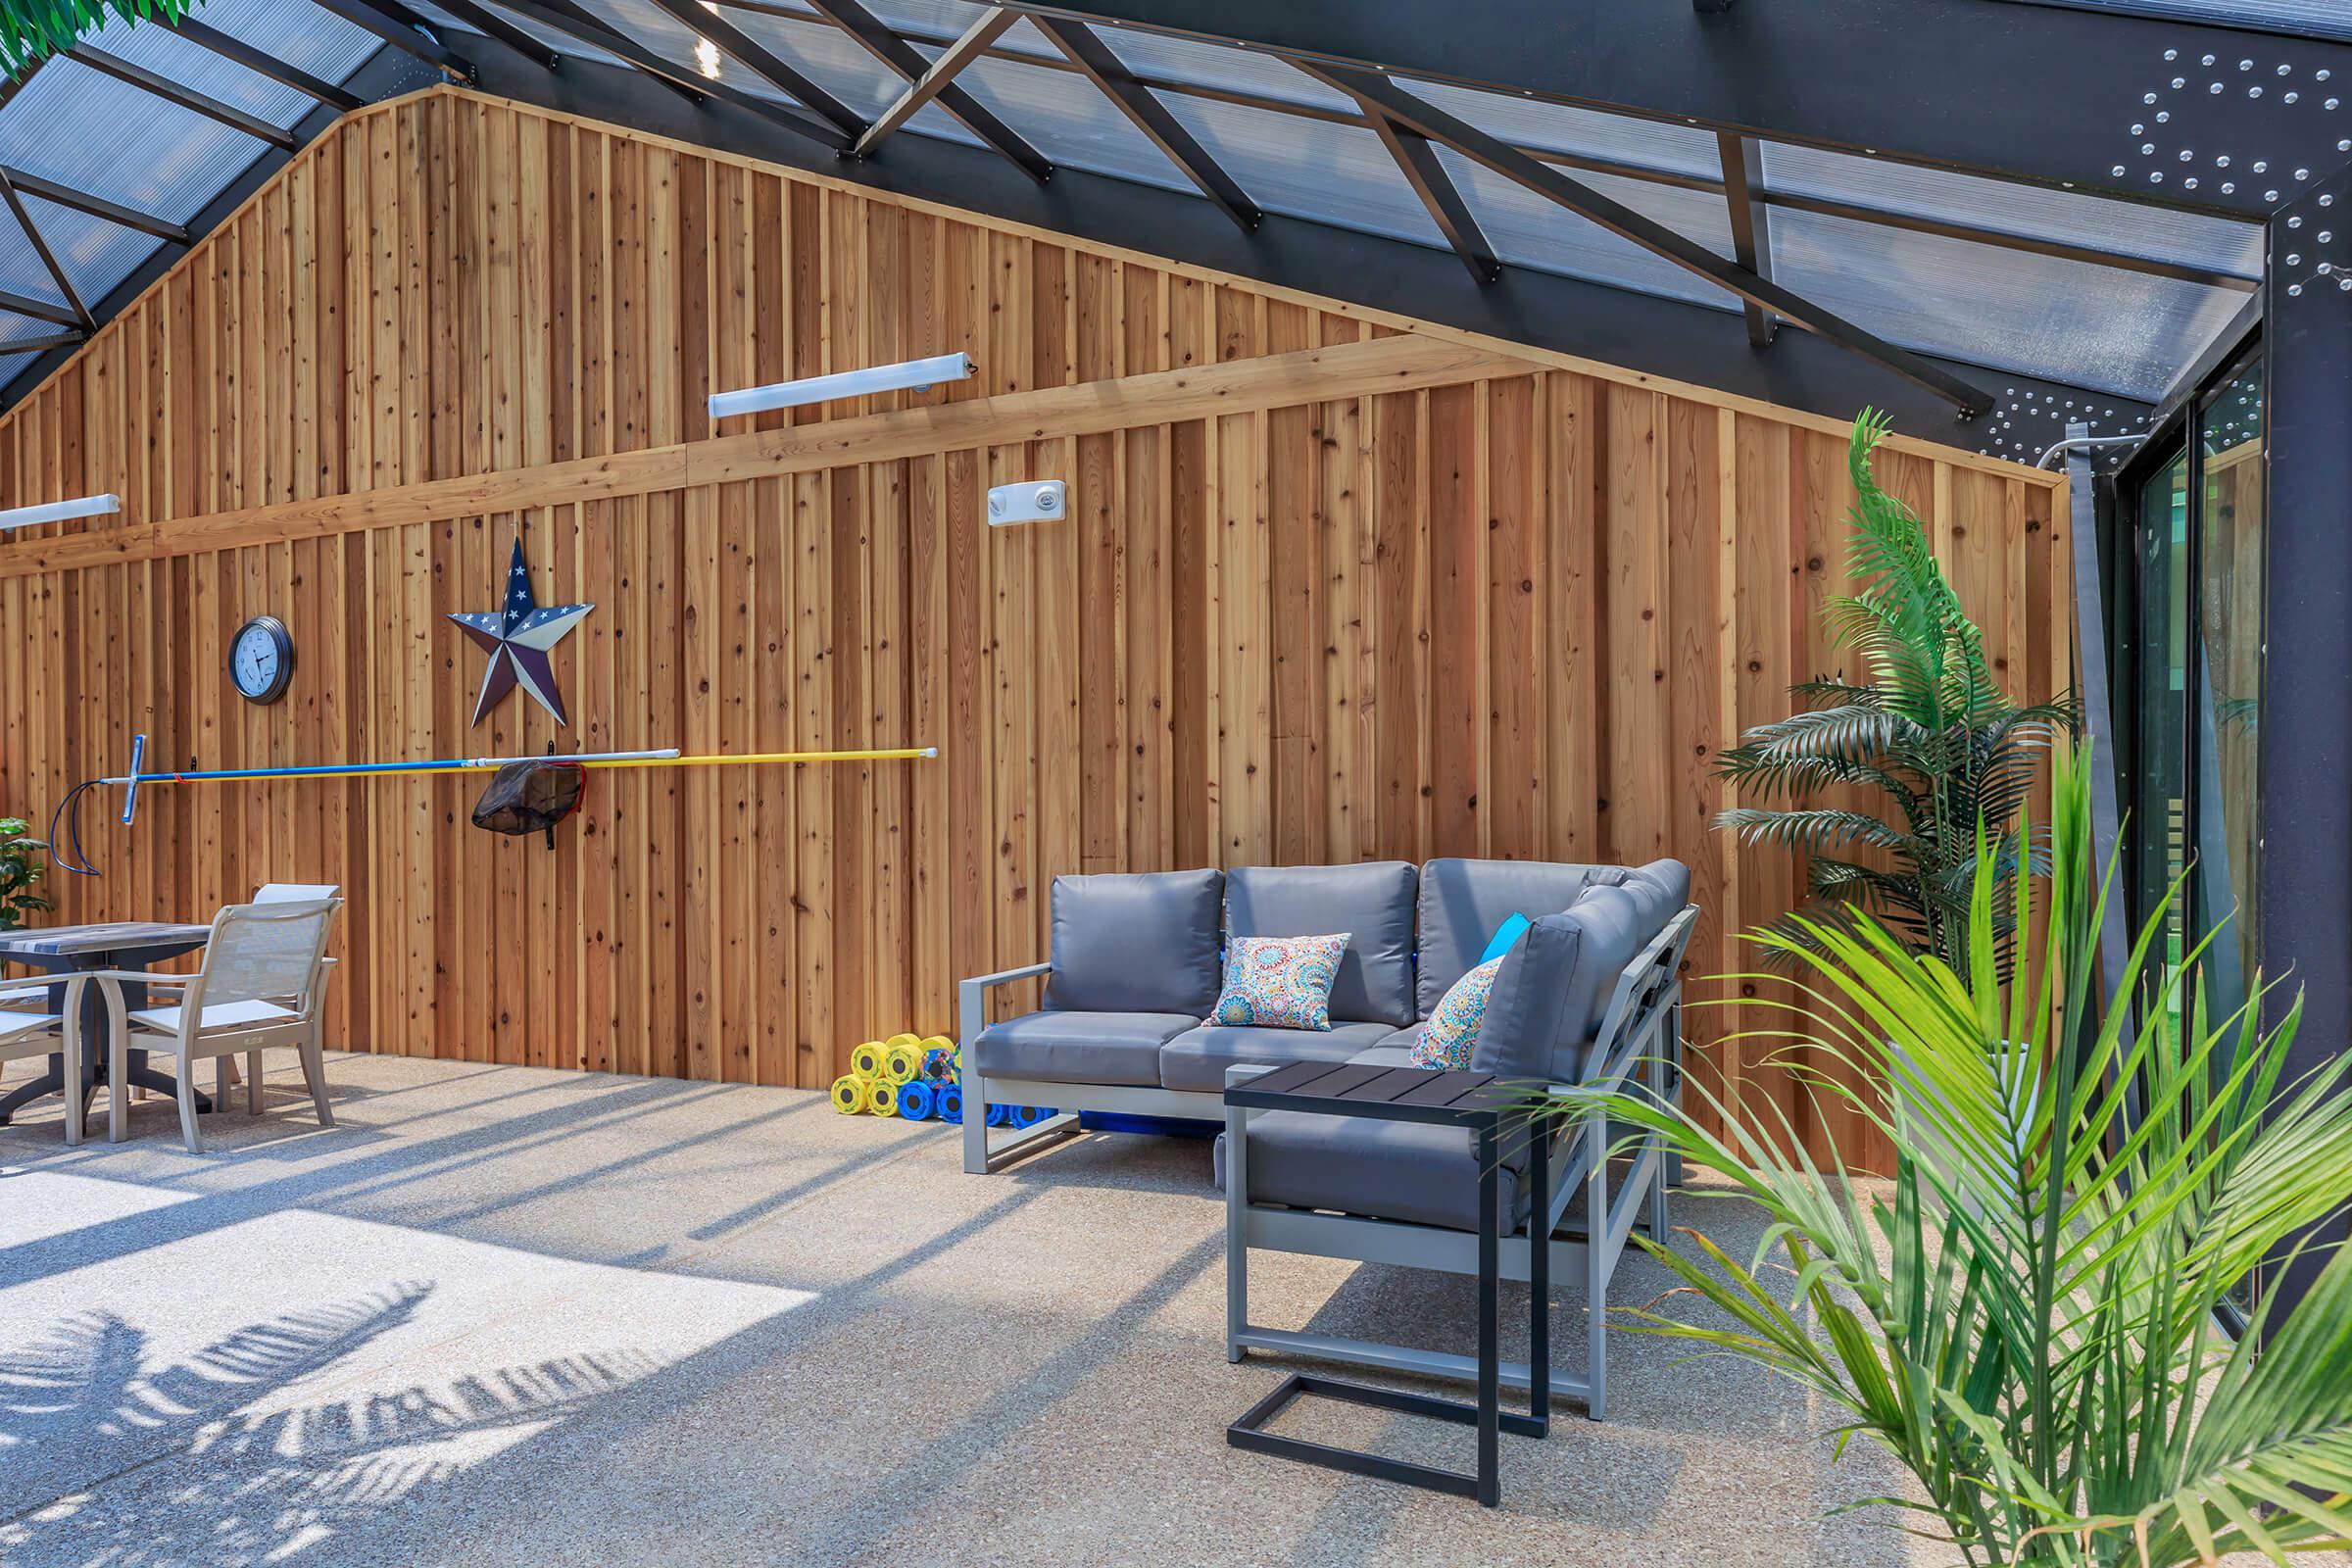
pixel 1512 613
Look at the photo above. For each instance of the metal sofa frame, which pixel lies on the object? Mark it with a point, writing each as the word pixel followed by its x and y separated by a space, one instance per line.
pixel 1640 1030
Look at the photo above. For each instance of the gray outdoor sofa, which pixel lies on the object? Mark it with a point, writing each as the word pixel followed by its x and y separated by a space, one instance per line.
pixel 1595 999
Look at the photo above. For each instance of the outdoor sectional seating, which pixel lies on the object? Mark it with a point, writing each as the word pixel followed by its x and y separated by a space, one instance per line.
pixel 1136 970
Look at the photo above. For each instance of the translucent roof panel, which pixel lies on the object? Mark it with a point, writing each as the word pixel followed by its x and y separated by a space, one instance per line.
pixel 20 270
pixel 192 66
pixel 1531 230
pixel 300 34
pixel 2219 244
pixel 656 32
pixel 2092 326
pixel 562 43
pixel 1308 167
pixel 1066 117
pixel 1564 128
pixel 80 126
pixel 2313 19
pixel 839 64
pixel 96 255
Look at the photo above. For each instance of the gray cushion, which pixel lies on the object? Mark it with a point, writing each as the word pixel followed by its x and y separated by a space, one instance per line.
pixel 1397 1171
pixel 1198 1059
pixel 1616 923
pixel 1463 902
pixel 1136 943
pixel 1373 902
pixel 1394 1050
pixel 1079 1048
pixel 1524 1012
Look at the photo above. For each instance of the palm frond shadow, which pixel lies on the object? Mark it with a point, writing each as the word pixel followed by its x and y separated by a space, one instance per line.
pixel 91 1438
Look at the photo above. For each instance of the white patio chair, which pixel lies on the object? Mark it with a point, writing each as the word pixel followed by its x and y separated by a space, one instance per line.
pixel 28 1033
pixel 296 891
pixel 263 986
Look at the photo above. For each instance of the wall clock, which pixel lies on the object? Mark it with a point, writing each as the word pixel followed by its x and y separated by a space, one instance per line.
pixel 260 659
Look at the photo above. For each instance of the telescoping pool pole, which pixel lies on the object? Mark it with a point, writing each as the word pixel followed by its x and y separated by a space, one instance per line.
pixel 69 815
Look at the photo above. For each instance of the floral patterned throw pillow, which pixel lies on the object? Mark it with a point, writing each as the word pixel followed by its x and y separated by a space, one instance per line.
pixel 1279 982
pixel 1446 1040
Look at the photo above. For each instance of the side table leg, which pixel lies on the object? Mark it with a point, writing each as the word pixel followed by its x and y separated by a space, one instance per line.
pixel 1490 1322
pixel 1539 1272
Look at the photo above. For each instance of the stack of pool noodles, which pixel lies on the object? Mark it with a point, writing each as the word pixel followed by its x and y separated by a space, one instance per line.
pixel 916 1079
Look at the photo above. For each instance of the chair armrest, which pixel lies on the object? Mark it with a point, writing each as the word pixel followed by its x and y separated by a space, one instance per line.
pixel 971 996
pixel 137 977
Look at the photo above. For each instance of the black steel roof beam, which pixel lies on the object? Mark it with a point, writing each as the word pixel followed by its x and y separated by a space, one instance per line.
pixel 185 97
pixel 566 18
pixel 1751 223
pixel 1380 93
pixel 1418 161
pixel 42 345
pixel 937 76
pixel 2034 93
pixel 1094 59
pixel 1673 178
pixel 490 25
pixel 39 310
pixel 49 261
pixel 81 201
pixel 877 39
pixel 404 31
pixel 261 61
pixel 755 58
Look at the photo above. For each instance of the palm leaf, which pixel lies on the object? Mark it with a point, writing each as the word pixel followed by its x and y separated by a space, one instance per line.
pixel 31 31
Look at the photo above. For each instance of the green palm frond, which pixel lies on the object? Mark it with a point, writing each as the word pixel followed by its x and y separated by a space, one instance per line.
pixel 31 31
pixel 1930 732
pixel 2026 1320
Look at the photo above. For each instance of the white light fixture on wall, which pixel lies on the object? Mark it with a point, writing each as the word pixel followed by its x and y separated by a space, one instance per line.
pixel 919 376
pixel 1030 501
pixel 60 510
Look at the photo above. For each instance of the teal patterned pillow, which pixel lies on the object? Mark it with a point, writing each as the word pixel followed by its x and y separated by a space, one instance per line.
pixel 1452 1033
pixel 1279 982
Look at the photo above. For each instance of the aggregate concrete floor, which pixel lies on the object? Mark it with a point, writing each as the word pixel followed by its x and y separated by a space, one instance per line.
pixel 501 1315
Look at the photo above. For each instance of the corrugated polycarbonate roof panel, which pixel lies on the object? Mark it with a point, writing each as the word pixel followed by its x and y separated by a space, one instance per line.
pixel 2218 244
pixel 20 270
pixel 1064 117
pixel 1564 128
pixel 2121 333
pixel 837 63
pixel 1533 231
pixel 656 32
pixel 96 255
pixel 2311 19
pixel 562 43
pixel 84 128
pixel 1308 167
pixel 192 66
pixel 1210 65
pixel 296 32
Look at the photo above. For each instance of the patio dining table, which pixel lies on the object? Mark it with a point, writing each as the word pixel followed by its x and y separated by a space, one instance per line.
pixel 109 945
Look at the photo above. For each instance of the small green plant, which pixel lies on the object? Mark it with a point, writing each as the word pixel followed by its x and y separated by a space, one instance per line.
pixel 31 31
pixel 20 869
pixel 1930 734
pixel 2028 1320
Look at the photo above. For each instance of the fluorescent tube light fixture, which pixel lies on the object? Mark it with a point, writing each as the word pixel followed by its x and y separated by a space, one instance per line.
pixel 919 376
pixel 60 510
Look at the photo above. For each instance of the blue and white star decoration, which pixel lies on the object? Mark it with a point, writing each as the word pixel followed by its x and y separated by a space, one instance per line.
pixel 518 639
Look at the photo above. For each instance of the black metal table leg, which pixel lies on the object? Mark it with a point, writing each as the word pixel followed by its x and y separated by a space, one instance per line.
pixel 1539 1275
pixel 1490 1175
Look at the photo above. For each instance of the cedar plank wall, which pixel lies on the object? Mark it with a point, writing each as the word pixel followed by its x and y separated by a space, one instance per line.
pixel 1512 612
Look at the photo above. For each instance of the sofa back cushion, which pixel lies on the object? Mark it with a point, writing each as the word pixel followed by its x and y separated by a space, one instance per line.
pixel 1464 901
pixel 1136 942
pixel 1616 921
pixel 1520 1033
pixel 1372 901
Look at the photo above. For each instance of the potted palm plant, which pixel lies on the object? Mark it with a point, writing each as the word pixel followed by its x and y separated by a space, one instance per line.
pixel 1929 733
pixel 2028 1320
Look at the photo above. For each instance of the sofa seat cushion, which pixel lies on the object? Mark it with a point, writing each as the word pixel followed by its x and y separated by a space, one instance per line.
pixel 1197 1060
pixel 1397 1171
pixel 1143 942
pixel 1373 902
pixel 1397 1051
pixel 1079 1048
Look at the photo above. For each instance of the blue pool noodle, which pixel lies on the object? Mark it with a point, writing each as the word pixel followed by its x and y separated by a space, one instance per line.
pixel 915 1101
pixel 949 1104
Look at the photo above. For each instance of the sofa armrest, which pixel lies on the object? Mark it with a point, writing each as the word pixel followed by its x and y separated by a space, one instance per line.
pixel 971 998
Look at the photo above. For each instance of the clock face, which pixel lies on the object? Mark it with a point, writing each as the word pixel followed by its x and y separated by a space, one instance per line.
pixel 260 659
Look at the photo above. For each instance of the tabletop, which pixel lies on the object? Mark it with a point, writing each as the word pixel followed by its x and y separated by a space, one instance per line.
pixel 1445 1098
pixel 110 936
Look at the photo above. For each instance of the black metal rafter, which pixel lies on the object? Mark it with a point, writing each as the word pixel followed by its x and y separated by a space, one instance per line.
pixel 762 62
pixel 877 39
pixel 1653 237
pixel 42 345
pixel 81 201
pixel 402 29
pixel 1418 161
pixel 1751 223
pixel 187 98
pixel 1094 58
pixel 261 61
pixel 566 18
pixel 488 22
pixel 937 78
pixel 39 310
pixel 1673 178
pixel 49 261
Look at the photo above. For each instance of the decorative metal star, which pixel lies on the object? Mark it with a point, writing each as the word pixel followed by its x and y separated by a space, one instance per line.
pixel 518 639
